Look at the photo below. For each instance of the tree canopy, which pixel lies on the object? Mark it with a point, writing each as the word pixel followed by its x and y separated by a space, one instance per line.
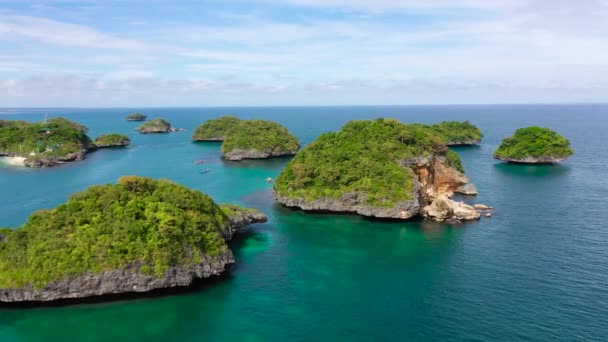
pixel 260 135
pixel 112 140
pixel 215 129
pixel 458 132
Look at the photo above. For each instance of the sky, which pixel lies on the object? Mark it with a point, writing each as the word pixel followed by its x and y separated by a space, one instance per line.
pixel 135 53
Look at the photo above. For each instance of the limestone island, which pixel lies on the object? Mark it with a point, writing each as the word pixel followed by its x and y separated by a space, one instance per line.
pixel 378 168
pixel 459 133
pixel 248 139
pixel 157 125
pixel 534 145
pixel 216 129
pixel 112 140
pixel 48 143
pixel 136 117
pixel 155 235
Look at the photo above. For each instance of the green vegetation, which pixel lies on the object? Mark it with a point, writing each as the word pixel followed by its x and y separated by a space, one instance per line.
pixel 155 224
pixel 112 140
pixel 215 129
pixel 157 125
pixel 362 158
pixel 534 142
pixel 136 117
pixel 458 132
pixel 55 137
pixel 260 135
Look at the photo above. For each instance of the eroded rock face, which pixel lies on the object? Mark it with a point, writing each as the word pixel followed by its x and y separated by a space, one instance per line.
pixel 354 203
pixel 122 143
pixel 239 154
pixel 533 160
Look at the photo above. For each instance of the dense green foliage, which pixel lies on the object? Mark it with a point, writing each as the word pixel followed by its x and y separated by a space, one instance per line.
pixel 55 137
pixel 136 117
pixel 112 139
pixel 260 135
pixel 154 124
pixel 362 158
pixel 215 129
pixel 535 142
pixel 139 221
pixel 456 132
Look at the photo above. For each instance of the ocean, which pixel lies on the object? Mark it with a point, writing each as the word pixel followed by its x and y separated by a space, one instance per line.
pixel 535 271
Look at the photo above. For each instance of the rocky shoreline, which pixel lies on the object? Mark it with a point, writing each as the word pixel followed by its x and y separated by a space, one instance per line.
pixel 533 160
pixel 239 154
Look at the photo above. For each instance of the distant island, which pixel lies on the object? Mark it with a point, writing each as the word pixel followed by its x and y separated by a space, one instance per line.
pixel 136 117
pixel 459 133
pixel 48 143
pixel 155 234
pixel 157 125
pixel 534 145
pixel 112 140
pixel 379 168
pixel 248 139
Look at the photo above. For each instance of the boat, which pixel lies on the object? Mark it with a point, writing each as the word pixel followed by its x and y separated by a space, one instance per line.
pixel 199 161
pixel 205 171
pixel 269 180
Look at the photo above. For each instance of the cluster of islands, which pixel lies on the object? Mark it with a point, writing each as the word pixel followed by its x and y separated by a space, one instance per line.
pixel 159 235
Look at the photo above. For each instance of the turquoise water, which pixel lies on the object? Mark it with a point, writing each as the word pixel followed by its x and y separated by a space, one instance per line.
pixel 536 271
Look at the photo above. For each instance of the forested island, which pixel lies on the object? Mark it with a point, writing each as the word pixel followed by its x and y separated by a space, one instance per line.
pixel 248 139
pixel 534 145
pixel 378 168
pixel 157 125
pixel 136 117
pixel 137 235
pixel 47 143
pixel 112 140
pixel 459 133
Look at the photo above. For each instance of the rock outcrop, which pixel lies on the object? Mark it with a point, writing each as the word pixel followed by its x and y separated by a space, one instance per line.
pixel 445 209
pixel 126 280
pixel 48 161
pixel 240 154
pixel 533 160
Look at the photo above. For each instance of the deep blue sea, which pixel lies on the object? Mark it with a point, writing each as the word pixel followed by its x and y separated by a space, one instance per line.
pixel 535 271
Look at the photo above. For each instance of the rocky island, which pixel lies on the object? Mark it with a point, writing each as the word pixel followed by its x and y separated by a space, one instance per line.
pixel 459 133
pixel 248 139
pixel 215 129
pixel 136 117
pixel 378 168
pixel 155 234
pixel 157 125
pixel 111 140
pixel 534 145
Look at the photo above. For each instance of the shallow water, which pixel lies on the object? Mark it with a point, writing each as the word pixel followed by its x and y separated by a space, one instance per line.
pixel 537 270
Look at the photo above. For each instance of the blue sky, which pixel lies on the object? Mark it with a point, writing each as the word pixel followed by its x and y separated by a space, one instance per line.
pixel 301 52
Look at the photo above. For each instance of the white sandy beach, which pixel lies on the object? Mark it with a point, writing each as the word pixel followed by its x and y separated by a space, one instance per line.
pixel 17 161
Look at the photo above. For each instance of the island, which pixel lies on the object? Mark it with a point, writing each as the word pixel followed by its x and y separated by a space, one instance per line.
pixel 111 140
pixel 459 133
pixel 534 145
pixel 248 139
pixel 50 142
pixel 136 117
pixel 215 129
pixel 153 126
pixel 378 168
pixel 135 236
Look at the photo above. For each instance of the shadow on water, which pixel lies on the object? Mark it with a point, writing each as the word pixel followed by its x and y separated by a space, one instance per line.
pixel 270 163
pixel 532 170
